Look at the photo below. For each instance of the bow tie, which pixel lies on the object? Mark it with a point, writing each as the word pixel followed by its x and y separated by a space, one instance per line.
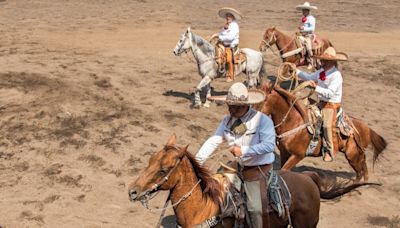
pixel 322 76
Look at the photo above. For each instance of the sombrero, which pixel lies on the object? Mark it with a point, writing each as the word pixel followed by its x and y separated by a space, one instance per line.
pixel 331 54
pixel 306 5
pixel 239 95
pixel 223 11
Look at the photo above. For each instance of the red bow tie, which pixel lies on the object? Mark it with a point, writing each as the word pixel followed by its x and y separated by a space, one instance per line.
pixel 322 76
pixel 303 19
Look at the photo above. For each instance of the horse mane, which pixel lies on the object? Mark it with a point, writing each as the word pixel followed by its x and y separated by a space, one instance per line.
pixel 203 44
pixel 210 187
pixel 290 98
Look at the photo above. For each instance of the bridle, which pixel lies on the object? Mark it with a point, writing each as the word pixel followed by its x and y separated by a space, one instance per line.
pixel 153 191
pixel 268 44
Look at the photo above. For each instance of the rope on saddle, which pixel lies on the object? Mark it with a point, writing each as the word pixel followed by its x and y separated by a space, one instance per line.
pixel 286 72
pixel 279 195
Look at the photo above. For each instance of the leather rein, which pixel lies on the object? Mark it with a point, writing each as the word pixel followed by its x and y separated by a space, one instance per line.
pixel 268 44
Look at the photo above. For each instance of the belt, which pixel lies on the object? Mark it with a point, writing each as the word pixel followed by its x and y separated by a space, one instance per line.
pixel 253 173
pixel 325 104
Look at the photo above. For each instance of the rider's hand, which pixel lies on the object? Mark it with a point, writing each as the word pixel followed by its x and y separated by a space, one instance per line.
pixel 226 26
pixel 236 151
pixel 301 27
pixel 313 84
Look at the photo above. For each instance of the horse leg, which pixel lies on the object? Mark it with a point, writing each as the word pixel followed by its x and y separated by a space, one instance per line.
pixel 204 82
pixel 284 156
pixel 292 161
pixel 207 103
pixel 356 159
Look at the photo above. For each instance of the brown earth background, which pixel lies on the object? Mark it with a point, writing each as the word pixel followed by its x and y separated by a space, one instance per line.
pixel 90 89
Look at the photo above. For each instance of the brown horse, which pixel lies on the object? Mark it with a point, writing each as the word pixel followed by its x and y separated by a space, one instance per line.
pixel 196 195
pixel 286 44
pixel 293 146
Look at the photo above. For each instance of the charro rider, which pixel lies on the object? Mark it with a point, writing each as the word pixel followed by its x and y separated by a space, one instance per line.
pixel 328 85
pixel 251 136
pixel 229 37
pixel 307 29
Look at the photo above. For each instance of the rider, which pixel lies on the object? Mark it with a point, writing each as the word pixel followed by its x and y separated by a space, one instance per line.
pixel 229 37
pixel 251 136
pixel 307 29
pixel 327 82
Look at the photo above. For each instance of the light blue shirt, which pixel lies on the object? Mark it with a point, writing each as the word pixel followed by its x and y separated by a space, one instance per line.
pixel 329 90
pixel 257 143
pixel 309 25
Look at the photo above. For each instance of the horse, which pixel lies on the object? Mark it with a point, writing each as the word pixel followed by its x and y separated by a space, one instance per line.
pixel 291 119
pixel 196 196
pixel 204 54
pixel 288 49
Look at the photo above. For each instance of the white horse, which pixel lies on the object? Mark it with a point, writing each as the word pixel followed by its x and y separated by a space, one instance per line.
pixel 204 53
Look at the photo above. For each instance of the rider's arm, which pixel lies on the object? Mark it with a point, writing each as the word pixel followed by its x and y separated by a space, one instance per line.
pixel 229 34
pixel 309 26
pixel 306 76
pixel 211 144
pixel 267 137
pixel 334 86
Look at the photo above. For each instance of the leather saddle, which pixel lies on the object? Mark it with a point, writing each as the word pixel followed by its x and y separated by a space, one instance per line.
pixel 276 193
pixel 221 55
pixel 317 44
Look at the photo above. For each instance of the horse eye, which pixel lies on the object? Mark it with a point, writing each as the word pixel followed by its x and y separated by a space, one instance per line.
pixel 164 170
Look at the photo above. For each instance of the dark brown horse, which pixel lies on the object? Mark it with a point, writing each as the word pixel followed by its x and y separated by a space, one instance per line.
pixel 293 147
pixel 196 195
pixel 287 44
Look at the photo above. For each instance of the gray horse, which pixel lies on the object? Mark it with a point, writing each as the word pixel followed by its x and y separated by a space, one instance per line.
pixel 204 53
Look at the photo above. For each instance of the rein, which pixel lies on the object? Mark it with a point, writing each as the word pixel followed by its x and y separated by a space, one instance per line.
pixel 269 46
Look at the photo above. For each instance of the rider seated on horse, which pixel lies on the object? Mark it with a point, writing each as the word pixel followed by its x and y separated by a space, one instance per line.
pixel 307 29
pixel 328 85
pixel 229 38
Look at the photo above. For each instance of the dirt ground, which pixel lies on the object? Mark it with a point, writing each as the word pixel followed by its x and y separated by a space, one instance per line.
pixel 90 89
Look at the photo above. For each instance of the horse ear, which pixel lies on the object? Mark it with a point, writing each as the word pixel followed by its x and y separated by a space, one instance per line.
pixel 183 151
pixel 172 140
pixel 188 29
pixel 273 27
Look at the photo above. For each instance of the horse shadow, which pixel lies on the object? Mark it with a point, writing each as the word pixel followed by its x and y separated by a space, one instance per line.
pixel 190 96
pixel 324 172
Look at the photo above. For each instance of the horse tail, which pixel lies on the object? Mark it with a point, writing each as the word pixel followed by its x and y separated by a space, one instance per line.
pixel 378 143
pixel 330 189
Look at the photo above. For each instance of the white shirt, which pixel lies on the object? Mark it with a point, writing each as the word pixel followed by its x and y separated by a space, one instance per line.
pixel 329 90
pixel 309 24
pixel 230 36
pixel 257 143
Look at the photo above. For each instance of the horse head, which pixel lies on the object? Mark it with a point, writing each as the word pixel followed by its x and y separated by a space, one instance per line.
pixel 269 39
pixel 183 43
pixel 160 174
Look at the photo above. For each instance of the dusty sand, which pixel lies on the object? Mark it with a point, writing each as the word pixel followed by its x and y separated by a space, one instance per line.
pixel 90 89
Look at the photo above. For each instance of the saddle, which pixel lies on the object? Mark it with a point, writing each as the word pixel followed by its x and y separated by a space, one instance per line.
pixel 275 193
pixel 317 44
pixel 221 55
pixel 344 127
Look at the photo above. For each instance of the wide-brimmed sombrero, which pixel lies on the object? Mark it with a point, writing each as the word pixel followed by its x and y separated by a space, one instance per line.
pixel 239 95
pixel 306 5
pixel 331 54
pixel 223 11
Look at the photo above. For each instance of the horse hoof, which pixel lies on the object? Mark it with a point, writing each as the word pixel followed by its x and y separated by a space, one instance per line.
pixel 196 106
pixel 207 105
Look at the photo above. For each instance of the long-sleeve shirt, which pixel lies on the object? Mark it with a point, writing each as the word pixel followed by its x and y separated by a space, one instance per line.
pixel 309 25
pixel 230 36
pixel 330 89
pixel 257 143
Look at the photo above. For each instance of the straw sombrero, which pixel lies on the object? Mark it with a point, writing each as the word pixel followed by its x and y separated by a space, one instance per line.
pixel 306 5
pixel 223 11
pixel 239 95
pixel 331 54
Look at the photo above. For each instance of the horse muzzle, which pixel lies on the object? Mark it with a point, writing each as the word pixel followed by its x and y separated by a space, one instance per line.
pixel 133 195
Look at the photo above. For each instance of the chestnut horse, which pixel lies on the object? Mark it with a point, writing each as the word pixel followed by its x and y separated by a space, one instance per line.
pixel 196 195
pixel 293 146
pixel 286 44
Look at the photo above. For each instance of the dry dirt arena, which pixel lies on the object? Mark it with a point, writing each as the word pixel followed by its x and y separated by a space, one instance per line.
pixel 90 89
